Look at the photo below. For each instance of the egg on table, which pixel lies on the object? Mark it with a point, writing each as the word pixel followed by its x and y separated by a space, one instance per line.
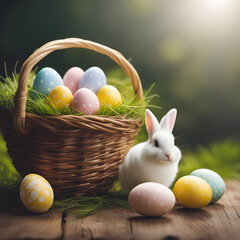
pixel 46 80
pixel 109 95
pixel 192 192
pixel 85 101
pixel 60 97
pixel 36 193
pixel 151 199
pixel 214 180
pixel 72 77
pixel 93 78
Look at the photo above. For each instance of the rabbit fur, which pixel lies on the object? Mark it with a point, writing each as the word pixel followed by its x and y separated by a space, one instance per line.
pixel 155 160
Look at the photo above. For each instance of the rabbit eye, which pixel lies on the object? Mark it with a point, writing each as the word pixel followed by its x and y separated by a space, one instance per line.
pixel 156 143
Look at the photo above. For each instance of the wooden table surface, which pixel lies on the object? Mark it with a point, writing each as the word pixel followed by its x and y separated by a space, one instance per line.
pixel 218 221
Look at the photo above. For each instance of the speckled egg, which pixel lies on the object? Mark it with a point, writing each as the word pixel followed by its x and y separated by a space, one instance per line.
pixel 36 193
pixel 109 95
pixel 72 77
pixel 60 97
pixel 192 192
pixel 151 199
pixel 85 101
pixel 214 180
pixel 46 80
pixel 93 79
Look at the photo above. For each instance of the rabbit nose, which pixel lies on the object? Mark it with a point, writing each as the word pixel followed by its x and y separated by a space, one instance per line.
pixel 167 155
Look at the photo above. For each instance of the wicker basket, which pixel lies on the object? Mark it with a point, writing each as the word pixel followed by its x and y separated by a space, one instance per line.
pixel 78 155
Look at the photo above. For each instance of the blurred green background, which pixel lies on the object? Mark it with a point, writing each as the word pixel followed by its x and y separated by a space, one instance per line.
pixel 189 48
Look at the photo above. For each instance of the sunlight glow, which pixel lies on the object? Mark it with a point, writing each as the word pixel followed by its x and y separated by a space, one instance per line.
pixel 217 4
pixel 219 9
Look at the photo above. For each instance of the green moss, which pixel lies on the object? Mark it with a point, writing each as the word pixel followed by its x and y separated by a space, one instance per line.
pixel 8 174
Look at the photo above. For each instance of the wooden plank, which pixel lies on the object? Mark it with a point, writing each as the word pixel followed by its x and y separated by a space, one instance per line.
pixel 208 223
pixel 237 209
pixel 231 212
pixel 174 225
pixel 26 225
pixel 232 195
pixel 105 224
pixel 224 226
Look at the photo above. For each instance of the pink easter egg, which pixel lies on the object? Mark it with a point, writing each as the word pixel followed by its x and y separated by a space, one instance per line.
pixel 151 199
pixel 72 77
pixel 85 101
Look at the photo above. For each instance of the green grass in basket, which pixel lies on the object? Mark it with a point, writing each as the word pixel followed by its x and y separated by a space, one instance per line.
pixel 131 107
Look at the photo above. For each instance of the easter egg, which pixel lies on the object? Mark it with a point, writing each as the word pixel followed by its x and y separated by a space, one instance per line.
pixel 36 193
pixel 192 192
pixel 60 97
pixel 214 180
pixel 85 101
pixel 109 95
pixel 151 199
pixel 72 77
pixel 46 80
pixel 93 79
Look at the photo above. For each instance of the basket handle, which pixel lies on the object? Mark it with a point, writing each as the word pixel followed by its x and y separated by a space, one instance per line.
pixel 39 54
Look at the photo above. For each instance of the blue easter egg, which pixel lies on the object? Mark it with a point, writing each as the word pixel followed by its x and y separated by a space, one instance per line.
pixel 214 180
pixel 93 79
pixel 46 80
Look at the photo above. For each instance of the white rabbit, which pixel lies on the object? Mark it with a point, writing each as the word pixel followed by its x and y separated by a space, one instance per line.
pixel 155 160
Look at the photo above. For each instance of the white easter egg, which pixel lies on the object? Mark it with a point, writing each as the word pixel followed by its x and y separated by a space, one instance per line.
pixel 72 77
pixel 85 101
pixel 36 193
pixel 151 199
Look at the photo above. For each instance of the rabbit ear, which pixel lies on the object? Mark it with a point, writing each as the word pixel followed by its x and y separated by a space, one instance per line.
pixel 151 123
pixel 168 121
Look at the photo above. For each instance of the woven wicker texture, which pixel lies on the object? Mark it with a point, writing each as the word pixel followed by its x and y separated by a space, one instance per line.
pixel 78 155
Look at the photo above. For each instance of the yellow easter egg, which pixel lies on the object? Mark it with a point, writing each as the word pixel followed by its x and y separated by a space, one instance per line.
pixel 192 192
pixel 109 95
pixel 36 193
pixel 60 97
